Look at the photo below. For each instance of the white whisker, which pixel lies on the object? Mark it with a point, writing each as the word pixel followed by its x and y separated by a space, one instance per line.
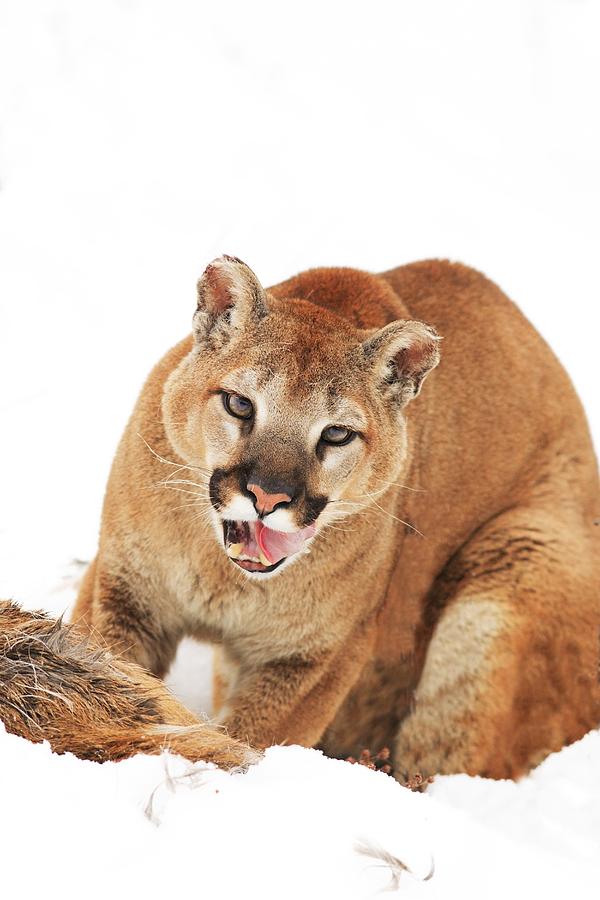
pixel 406 487
pixel 356 506
pixel 205 504
pixel 170 462
pixel 395 518
pixel 186 491
pixel 169 481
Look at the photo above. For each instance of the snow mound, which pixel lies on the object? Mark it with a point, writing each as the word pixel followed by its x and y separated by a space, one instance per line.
pixel 297 825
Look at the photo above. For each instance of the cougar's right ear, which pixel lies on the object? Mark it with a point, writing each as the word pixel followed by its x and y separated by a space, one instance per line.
pixel 230 297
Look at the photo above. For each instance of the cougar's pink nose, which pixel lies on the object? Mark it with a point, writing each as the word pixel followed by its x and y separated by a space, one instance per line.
pixel 266 503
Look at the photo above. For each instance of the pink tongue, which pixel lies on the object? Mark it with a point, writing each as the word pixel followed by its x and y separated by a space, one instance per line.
pixel 278 544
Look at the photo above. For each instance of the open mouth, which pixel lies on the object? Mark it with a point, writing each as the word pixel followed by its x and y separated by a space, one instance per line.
pixel 256 548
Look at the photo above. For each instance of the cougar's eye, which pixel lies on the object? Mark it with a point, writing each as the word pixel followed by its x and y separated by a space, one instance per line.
pixel 337 434
pixel 238 406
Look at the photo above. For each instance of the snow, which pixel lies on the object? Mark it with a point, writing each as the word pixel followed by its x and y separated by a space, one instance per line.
pixel 290 827
pixel 141 139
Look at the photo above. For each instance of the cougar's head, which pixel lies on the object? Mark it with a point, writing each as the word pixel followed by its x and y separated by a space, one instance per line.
pixel 294 414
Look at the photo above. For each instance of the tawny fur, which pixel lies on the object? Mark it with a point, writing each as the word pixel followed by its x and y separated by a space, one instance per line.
pixel 57 687
pixel 454 612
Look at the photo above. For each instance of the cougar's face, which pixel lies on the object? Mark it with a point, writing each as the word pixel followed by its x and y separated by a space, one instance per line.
pixel 287 417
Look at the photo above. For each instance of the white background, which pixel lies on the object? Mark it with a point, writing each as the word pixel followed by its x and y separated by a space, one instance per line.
pixel 141 139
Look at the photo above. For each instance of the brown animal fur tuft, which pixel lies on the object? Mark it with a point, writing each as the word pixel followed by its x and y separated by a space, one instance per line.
pixel 56 686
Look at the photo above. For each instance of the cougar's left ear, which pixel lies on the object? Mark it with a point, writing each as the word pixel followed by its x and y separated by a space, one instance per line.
pixel 402 355
pixel 230 297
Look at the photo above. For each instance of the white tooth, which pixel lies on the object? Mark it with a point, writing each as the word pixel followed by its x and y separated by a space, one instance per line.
pixel 263 559
pixel 234 550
